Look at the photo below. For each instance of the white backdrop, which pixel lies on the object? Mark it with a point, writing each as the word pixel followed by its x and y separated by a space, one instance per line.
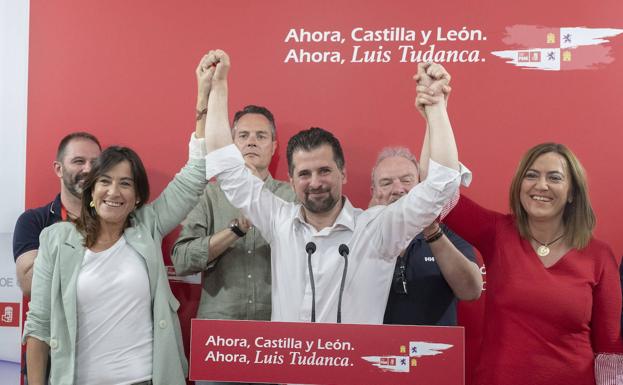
pixel 13 97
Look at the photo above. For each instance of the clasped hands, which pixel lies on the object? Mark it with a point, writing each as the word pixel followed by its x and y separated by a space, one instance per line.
pixel 433 86
pixel 213 67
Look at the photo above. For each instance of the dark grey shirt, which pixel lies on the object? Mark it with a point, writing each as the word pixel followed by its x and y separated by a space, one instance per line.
pixel 237 284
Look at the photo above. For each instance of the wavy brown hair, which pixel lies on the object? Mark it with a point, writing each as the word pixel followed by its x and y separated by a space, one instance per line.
pixel 89 224
pixel 578 216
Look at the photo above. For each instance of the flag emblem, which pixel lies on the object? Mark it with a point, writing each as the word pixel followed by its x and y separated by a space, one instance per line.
pixel 558 49
pixel 403 363
pixel 398 364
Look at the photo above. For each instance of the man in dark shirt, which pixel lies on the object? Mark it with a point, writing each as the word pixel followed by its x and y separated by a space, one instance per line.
pixel 74 157
pixel 436 268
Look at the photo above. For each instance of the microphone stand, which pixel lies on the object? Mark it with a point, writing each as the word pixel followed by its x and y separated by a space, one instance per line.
pixel 310 248
pixel 343 250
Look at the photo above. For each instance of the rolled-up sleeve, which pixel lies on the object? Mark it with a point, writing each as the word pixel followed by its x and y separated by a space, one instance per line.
pixel 37 323
pixel 408 216
pixel 183 192
pixel 196 147
pixel 222 160
pixel 244 190
pixel 191 251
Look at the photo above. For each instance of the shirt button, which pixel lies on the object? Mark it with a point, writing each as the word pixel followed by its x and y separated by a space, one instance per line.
pixel 249 251
pixel 53 343
pixel 162 324
pixel 250 301
pixel 139 236
pixel 249 276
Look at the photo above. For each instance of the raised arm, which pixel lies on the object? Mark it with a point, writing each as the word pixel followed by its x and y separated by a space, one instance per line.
pixel 408 216
pixel 426 97
pixel 440 142
pixel 183 192
pixel 218 132
pixel 462 275
pixel 204 72
pixel 243 190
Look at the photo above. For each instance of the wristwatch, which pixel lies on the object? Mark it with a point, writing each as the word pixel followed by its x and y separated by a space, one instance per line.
pixel 234 226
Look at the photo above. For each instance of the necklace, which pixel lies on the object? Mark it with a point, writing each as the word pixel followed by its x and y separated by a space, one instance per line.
pixel 543 249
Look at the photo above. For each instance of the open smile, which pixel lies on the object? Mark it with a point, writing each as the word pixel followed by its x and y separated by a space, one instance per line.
pixel 540 198
pixel 113 204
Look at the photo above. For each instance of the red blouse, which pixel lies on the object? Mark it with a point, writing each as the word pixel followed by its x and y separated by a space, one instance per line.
pixel 542 325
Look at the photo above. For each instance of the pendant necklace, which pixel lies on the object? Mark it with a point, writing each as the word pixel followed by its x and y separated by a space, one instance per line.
pixel 543 249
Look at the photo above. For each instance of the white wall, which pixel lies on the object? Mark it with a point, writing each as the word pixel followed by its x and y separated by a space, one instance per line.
pixel 13 99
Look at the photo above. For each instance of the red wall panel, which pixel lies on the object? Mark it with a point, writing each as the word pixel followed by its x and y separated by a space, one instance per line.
pixel 124 70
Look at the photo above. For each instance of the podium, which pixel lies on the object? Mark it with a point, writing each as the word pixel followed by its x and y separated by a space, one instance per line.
pixel 322 353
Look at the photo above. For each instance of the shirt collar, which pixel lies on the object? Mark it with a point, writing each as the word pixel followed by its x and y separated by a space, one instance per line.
pixel 345 219
pixel 347 215
pixel 55 206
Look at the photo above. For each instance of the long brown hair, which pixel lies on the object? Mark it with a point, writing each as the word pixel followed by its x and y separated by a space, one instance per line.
pixel 578 216
pixel 89 224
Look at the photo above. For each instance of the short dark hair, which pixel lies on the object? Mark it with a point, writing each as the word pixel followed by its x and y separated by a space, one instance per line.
pixel 253 109
pixel 88 223
pixel 60 152
pixel 311 139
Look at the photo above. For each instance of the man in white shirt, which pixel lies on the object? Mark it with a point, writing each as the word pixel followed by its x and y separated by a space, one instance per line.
pixel 325 217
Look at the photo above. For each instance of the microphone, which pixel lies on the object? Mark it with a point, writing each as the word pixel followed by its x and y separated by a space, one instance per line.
pixel 310 248
pixel 343 250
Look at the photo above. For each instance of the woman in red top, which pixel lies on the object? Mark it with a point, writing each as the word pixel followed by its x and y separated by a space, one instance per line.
pixel 553 291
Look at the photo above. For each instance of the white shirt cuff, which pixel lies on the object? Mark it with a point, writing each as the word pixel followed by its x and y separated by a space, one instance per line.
pixel 464 173
pixel 196 147
pixel 223 159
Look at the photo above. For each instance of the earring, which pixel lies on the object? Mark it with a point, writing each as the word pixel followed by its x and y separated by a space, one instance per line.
pixel 137 202
pixel 92 204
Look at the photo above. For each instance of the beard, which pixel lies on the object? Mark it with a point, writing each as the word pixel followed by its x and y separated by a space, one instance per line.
pixel 322 205
pixel 73 183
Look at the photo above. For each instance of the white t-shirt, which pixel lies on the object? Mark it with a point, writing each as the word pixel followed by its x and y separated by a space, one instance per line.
pixel 114 342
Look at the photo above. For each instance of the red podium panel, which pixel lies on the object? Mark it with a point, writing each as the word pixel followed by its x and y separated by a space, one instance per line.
pixel 316 353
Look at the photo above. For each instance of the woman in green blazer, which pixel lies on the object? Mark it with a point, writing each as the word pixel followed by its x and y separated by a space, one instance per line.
pixel 101 304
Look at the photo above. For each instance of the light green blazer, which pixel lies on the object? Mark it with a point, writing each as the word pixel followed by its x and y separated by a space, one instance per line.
pixel 52 315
